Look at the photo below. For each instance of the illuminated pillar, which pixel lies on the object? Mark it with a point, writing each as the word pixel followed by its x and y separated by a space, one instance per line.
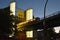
pixel 12 8
pixel 29 14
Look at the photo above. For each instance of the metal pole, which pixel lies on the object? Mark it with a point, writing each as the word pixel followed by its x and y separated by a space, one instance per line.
pixel 44 21
pixel 45 13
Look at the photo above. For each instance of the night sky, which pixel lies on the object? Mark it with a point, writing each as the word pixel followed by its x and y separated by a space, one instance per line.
pixel 37 5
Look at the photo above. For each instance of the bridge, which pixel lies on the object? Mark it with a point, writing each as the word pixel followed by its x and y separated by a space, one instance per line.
pixel 51 20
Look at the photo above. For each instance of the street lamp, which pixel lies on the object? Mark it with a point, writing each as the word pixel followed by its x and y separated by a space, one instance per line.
pixel 44 22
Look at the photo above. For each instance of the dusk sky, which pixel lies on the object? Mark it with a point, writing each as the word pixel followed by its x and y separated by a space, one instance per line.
pixel 37 5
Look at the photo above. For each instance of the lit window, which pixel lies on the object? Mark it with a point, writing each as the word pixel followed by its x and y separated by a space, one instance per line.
pixel 29 34
pixel 12 8
pixel 29 14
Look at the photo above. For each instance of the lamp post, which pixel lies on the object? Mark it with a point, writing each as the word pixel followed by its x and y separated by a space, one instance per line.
pixel 44 21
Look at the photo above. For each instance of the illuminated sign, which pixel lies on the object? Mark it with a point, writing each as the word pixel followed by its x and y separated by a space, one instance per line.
pixel 29 14
pixel 12 8
pixel 21 14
